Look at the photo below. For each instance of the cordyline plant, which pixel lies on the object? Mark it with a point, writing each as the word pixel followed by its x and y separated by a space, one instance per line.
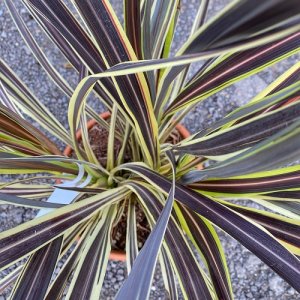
pixel 185 189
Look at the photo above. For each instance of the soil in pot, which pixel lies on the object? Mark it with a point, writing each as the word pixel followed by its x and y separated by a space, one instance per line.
pixel 119 230
pixel 98 137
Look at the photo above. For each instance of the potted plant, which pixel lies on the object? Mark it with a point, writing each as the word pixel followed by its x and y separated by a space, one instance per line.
pixel 183 186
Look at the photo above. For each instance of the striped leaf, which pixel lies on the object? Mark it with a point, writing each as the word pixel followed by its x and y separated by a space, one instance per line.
pixel 131 70
pixel 250 185
pixel 235 67
pixel 131 235
pixel 6 101
pixel 116 48
pixel 258 105
pixel 132 13
pixel 274 152
pixel 29 237
pixel 138 283
pixel 91 267
pixel 228 28
pixel 38 53
pixel 16 127
pixel 159 26
pixel 16 164
pixel 284 229
pixel 171 285
pixel 29 104
pixel 251 236
pixel 15 200
pixel 243 135
pixel 56 290
pixel 64 30
pixel 37 273
pixel 192 279
pixel 31 191
pixel 206 240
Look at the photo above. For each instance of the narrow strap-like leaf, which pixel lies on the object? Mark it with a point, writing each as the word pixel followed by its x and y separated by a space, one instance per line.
pixel 171 277
pixel 138 284
pixel 37 272
pixel 36 50
pixel 15 126
pixel 16 164
pixel 131 235
pixel 15 200
pixel 64 30
pixel 6 101
pixel 11 277
pixel 272 153
pixel 132 16
pixel 27 238
pixel 251 236
pixel 115 48
pixel 159 26
pixel 246 185
pixel 58 285
pixel 89 274
pixel 234 67
pixel 206 239
pixel 282 228
pixel 255 107
pixel 259 20
pixel 191 278
pixel 243 135
pixel 25 100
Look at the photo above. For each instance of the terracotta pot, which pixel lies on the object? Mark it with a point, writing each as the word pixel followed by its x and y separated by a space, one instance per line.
pixel 117 255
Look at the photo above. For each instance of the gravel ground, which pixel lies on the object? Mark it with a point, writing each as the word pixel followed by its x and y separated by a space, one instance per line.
pixel 251 278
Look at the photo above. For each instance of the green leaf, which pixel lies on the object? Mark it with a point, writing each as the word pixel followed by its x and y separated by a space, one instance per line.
pixel 131 235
